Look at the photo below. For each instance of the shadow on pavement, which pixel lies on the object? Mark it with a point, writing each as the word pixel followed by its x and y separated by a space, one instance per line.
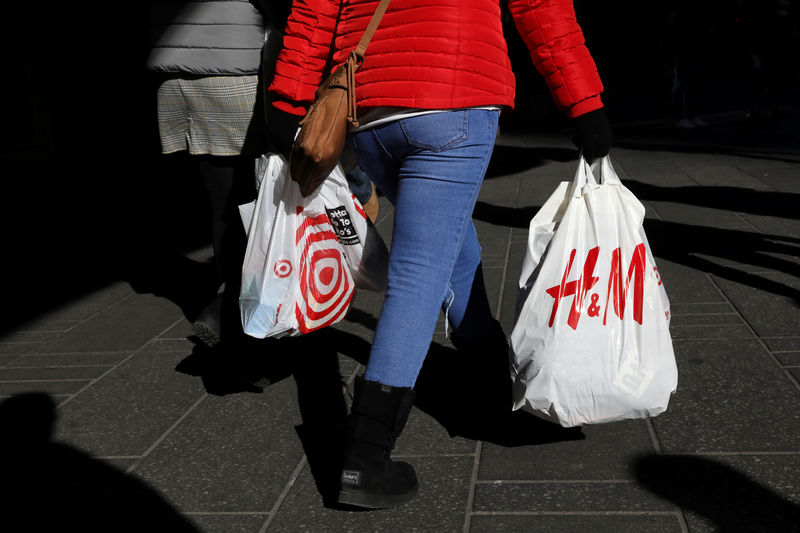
pixel 323 408
pixel 187 283
pixel 685 244
pixel 689 245
pixel 444 391
pixel 49 486
pixel 738 199
pixel 707 249
pixel 250 364
pixel 460 396
pixel 508 160
pixel 513 217
pixel 225 372
pixel 312 360
pixel 733 502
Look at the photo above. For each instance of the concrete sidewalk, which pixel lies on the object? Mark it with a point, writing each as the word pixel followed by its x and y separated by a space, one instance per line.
pixel 145 438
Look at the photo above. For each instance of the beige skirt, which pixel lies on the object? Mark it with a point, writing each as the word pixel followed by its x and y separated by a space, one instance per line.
pixel 206 115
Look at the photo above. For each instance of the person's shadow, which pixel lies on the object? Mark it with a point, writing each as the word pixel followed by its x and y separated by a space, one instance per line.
pixel 738 199
pixel 50 486
pixel 467 399
pixel 688 244
pixel 312 361
pixel 443 392
pixel 731 500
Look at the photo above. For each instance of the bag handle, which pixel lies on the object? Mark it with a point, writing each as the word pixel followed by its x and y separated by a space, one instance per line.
pixel 583 177
pixel 604 170
pixel 600 172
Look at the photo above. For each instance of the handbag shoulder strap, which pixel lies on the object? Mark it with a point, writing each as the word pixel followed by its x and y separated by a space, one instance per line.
pixel 357 57
pixel 361 48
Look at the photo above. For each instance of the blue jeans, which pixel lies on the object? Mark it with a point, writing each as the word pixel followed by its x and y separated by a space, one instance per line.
pixel 360 184
pixel 431 168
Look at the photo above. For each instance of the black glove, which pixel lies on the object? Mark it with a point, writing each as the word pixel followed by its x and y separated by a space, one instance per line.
pixel 594 134
pixel 281 129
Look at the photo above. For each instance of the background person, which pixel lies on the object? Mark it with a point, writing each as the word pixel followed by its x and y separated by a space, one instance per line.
pixel 207 57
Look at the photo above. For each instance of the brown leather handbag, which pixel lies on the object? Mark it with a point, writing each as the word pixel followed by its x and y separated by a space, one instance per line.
pixel 323 131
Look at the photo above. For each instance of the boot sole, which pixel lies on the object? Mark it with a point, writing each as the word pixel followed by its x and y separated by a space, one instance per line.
pixel 375 501
pixel 207 335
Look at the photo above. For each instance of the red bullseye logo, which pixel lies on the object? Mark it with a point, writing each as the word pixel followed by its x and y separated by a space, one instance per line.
pixel 283 268
pixel 326 285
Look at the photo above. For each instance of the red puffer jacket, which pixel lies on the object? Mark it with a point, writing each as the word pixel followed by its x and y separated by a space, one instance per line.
pixel 435 54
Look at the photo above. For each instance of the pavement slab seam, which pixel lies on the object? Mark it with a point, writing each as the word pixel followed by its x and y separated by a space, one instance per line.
pixel 224 513
pixel 88 352
pixel 14 356
pixel 710 338
pixel 54 396
pixel 659 449
pixel 708 314
pixel 427 455
pixel 732 162
pixel 690 326
pixel 551 481
pixel 743 218
pixel 747 324
pixel 79 323
pixel 736 453
pixel 651 429
pixel 504 276
pixel 54 390
pixel 64 380
pixel 61 366
pixel 166 433
pixel 110 370
pixel 274 511
pixel 473 483
pixel 573 513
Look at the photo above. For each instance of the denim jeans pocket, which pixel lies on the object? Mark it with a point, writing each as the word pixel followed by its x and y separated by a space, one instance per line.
pixel 436 131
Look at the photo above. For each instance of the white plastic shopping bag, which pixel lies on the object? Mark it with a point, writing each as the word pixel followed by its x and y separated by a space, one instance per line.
pixel 367 254
pixel 302 254
pixel 364 249
pixel 591 340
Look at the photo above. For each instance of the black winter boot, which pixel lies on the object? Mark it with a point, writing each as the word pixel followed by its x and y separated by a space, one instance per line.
pixel 369 476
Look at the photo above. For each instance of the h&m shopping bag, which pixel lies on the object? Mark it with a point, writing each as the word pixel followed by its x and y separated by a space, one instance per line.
pixel 304 256
pixel 591 340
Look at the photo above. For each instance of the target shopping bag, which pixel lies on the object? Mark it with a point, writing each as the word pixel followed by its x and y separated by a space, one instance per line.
pixel 302 253
pixel 591 340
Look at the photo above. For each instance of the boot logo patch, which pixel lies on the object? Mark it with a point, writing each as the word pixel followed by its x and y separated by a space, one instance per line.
pixel 351 477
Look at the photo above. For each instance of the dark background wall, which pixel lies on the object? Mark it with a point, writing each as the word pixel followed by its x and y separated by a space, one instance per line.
pixel 635 43
pixel 87 198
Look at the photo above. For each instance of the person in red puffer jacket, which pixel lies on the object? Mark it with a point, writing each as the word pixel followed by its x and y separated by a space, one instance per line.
pixel 435 79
